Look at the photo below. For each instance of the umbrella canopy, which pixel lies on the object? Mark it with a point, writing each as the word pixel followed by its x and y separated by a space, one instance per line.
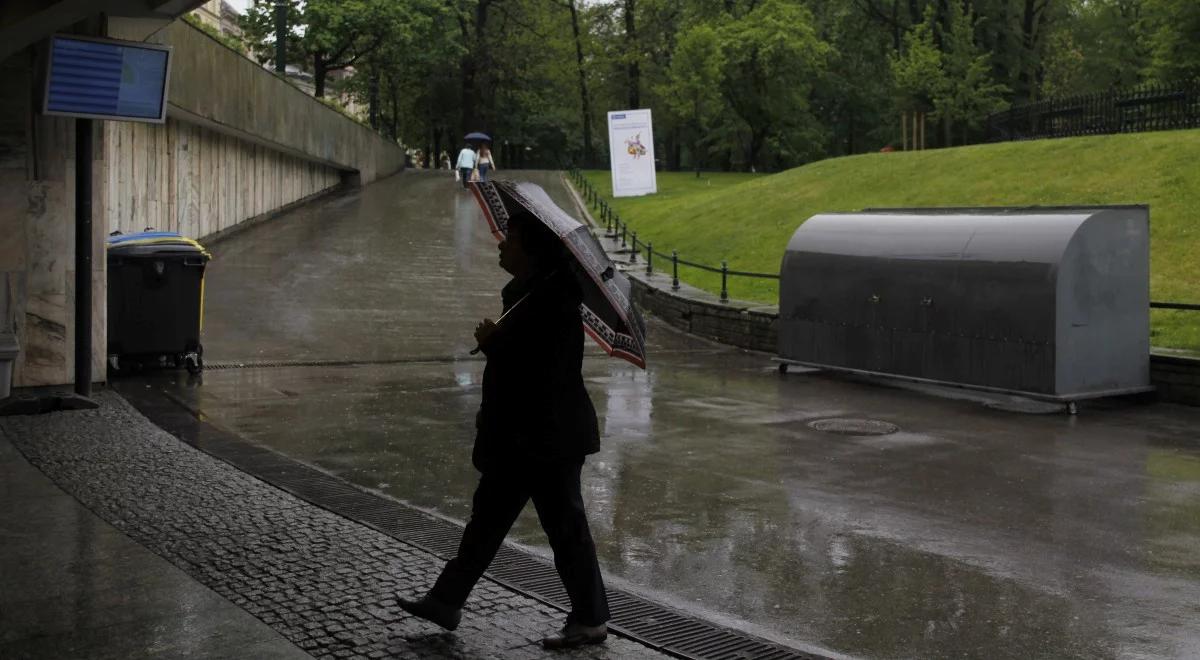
pixel 609 316
pixel 477 137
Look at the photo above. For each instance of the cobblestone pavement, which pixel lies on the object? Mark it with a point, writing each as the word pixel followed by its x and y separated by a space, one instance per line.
pixel 325 583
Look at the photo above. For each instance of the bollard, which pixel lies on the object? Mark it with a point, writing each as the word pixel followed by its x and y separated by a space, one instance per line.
pixel 724 277
pixel 650 258
pixel 675 270
pixel 623 228
pixel 633 253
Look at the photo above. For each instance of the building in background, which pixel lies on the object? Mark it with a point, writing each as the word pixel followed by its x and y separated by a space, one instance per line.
pixel 221 16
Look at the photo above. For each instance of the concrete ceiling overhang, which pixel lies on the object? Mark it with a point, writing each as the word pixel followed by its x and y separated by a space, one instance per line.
pixel 24 22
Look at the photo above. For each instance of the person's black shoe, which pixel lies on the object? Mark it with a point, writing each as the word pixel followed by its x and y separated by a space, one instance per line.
pixel 574 635
pixel 434 611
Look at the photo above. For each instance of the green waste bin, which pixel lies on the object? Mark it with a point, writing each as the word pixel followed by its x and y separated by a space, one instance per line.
pixel 155 300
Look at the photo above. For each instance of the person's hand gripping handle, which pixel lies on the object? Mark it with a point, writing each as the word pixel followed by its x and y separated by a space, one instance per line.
pixel 482 332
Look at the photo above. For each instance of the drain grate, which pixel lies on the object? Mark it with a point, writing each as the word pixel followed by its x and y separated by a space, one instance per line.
pixel 650 623
pixel 282 364
pixel 851 426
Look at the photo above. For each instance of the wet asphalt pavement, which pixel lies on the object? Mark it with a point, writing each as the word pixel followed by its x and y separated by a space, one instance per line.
pixel 972 532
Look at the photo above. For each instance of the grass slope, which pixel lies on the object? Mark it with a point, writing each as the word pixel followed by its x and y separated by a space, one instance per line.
pixel 747 219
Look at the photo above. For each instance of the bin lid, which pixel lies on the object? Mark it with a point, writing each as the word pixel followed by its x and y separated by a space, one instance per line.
pixel 150 242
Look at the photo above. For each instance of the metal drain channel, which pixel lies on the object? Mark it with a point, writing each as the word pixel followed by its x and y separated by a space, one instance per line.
pixel 656 626
pixel 281 364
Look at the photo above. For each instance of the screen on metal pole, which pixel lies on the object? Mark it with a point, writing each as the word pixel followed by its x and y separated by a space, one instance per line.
pixel 107 79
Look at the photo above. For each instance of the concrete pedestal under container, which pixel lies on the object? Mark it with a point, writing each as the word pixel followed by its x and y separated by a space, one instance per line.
pixel 1048 302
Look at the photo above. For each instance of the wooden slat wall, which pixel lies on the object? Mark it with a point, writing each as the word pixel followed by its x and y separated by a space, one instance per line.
pixel 185 178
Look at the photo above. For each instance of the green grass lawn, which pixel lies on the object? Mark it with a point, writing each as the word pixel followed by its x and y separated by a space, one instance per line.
pixel 747 219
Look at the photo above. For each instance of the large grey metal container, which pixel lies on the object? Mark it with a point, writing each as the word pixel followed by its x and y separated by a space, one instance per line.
pixel 1049 302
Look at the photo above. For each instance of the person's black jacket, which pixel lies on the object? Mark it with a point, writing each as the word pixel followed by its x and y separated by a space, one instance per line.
pixel 535 406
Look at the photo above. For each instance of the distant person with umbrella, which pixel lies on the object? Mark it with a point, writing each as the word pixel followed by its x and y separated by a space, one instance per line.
pixel 536 423
pixel 465 164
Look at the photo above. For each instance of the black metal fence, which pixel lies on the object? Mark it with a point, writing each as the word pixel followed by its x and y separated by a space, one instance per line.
pixel 1115 111
pixel 618 231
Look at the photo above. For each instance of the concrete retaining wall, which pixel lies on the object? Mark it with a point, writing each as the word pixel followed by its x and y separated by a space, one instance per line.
pixel 183 177
pixel 221 90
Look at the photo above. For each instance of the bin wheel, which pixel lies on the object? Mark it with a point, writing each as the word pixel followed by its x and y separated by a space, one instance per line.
pixel 194 363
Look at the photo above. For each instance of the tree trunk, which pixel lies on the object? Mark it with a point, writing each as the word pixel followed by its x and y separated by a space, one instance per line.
pixel 631 46
pixel 319 73
pixel 394 93
pixel 373 98
pixel 585 104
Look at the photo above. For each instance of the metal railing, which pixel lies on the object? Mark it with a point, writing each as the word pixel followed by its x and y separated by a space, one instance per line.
pixel 618 231
pixel 1130 110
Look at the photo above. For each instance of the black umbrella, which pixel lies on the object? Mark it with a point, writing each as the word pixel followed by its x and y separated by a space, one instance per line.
pixel 609 316
pixel 477 137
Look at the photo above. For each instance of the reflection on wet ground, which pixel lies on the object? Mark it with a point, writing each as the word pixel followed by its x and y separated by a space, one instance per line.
pixel 972 532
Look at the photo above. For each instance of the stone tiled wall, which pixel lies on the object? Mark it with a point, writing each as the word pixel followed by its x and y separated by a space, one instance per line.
pixel 1177 378
pixel 37 232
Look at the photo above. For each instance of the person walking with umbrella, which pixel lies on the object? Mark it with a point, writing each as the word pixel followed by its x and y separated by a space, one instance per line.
pixel 465 164
pixel 535 426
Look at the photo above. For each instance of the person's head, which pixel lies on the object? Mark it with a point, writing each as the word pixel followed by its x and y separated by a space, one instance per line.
pixel 529 247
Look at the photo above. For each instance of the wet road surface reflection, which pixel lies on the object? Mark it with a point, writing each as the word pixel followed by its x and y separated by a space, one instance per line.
pixel 971 532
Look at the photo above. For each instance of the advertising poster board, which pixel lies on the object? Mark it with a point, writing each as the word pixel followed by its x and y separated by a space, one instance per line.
pixel 107 79
pixel 631 149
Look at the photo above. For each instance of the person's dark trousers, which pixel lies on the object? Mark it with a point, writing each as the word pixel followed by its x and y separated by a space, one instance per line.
pixel 466 176
pixel 499 498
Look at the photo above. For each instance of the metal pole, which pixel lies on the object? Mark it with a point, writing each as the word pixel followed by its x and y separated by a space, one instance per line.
pixel 724 277
pixel 634 251
pixel 623 228
pixel 281 9
pixel 650 258
pixel 83 257
pixel 675 270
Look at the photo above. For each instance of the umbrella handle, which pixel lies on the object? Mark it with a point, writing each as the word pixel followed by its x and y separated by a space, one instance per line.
pixel 517 304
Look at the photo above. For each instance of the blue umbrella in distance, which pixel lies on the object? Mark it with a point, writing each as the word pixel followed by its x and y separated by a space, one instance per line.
pixel 478 137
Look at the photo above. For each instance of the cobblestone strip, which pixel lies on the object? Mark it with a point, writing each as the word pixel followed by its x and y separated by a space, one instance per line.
pixel 325 583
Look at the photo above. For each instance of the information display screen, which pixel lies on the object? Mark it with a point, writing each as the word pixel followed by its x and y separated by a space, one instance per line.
pixel 107 79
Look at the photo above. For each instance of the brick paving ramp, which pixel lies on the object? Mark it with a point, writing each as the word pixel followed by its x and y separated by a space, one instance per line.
pixel 326 583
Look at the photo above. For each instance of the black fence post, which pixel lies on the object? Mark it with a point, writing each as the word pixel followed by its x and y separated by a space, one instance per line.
pixel 650 258
pixel 624 227
pixel 675 270
pixel 724 278
pixel 634 252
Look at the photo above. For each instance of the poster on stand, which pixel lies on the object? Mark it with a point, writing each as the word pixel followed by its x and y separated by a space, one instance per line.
pixel 631 145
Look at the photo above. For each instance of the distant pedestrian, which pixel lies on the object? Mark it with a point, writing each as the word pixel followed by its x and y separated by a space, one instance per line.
pixel 466 163
pixel 535 426
pixel 486 162
pixel 444 161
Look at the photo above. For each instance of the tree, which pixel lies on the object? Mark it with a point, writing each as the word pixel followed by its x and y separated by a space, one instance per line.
pixel 772 55
pixel 692 83
pixel 965 92
pixel 331 35
pixel 917 72
pixel 1172 39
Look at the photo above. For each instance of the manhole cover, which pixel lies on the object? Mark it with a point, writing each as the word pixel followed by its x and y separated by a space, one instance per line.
pixel 848 426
